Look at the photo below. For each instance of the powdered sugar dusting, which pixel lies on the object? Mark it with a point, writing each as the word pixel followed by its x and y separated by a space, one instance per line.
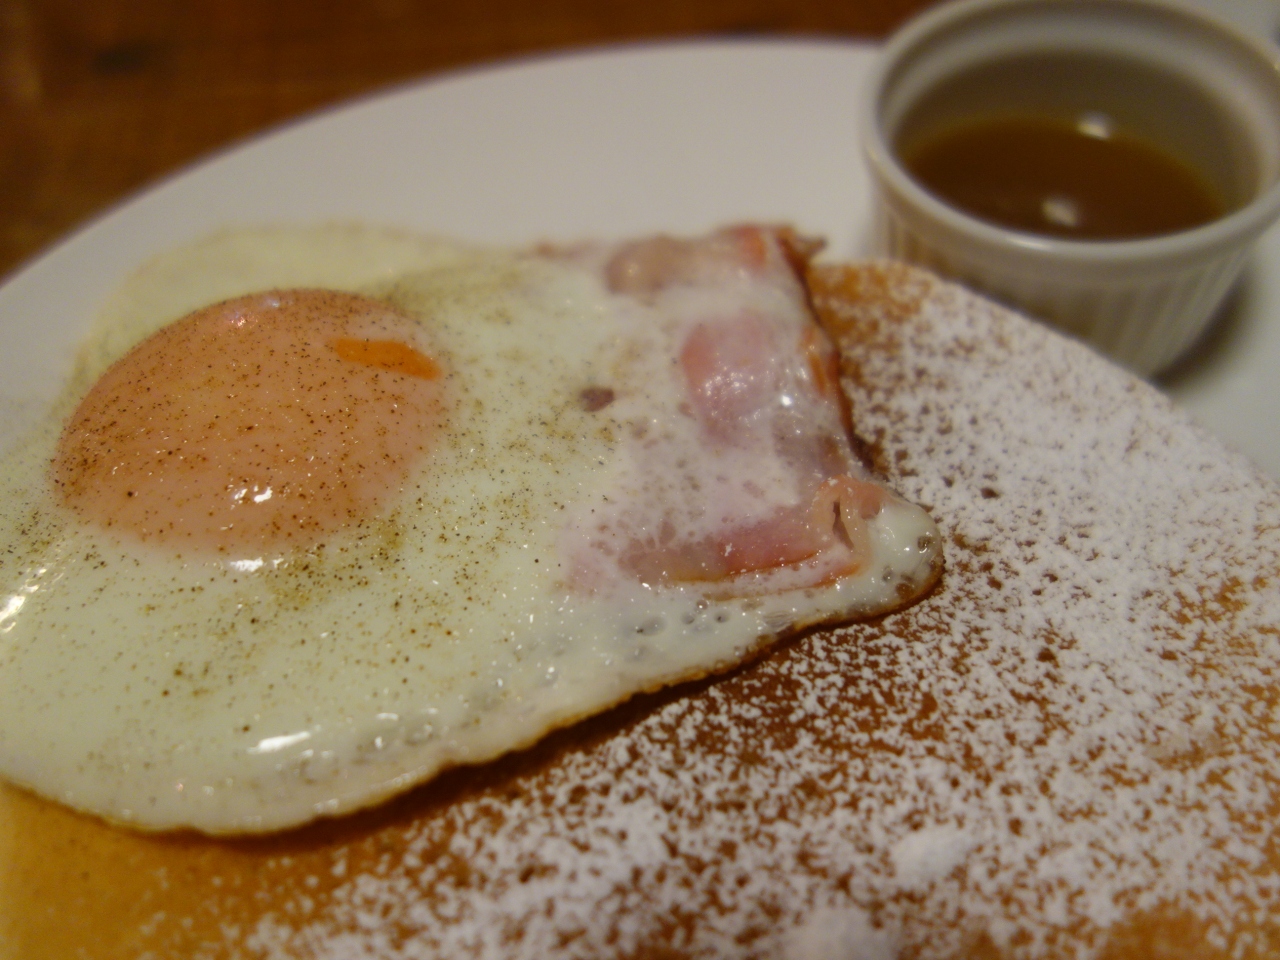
pixel 1077 733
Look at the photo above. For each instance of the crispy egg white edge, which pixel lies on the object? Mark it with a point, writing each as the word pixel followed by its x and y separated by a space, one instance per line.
pixel 268 735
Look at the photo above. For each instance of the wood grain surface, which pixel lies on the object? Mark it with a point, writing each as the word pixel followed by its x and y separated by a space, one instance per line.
pixel 98 98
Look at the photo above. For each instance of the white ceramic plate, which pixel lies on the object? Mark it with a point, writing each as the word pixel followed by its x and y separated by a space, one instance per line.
pixel 676 137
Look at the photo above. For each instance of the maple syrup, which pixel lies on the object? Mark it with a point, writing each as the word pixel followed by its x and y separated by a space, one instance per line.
pixel 1079 178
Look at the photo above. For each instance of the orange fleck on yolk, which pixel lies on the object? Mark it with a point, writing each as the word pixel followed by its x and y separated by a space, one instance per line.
pixel 389 355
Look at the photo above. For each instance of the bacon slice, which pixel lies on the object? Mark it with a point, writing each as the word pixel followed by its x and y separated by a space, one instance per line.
pixel 754 485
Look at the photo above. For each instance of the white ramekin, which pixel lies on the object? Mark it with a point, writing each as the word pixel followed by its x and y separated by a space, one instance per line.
pixel 1141 301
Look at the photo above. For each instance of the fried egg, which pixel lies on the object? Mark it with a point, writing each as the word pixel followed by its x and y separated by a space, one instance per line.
pixel 325 511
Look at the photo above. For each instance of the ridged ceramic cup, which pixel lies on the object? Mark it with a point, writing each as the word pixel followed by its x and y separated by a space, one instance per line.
pixel 1168 73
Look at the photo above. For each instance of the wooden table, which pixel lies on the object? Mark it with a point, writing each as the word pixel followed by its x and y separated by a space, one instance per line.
pixel 100 97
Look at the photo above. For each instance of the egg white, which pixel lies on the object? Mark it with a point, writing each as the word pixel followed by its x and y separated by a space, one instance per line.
pixel 258 693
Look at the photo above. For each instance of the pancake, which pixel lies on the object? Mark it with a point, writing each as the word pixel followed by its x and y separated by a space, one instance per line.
pixel 1071 748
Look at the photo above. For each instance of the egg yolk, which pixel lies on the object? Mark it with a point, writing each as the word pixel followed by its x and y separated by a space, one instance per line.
pixel 264 423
